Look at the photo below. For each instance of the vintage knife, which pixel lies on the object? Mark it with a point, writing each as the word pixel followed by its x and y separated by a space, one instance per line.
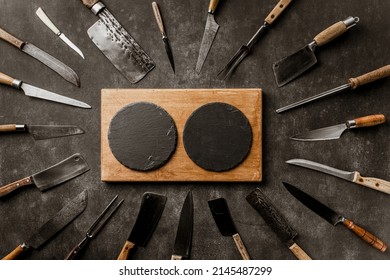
pixel 335 218
pixel 352 84
pixel 221 213
pixel 63 171
pixel 117 44
pixel 40 132
pixel 271 215
pixel 296 64
pixel 60 220
pixel 354 176
pixel 63 70
pixel 152 207
pixel 335 131
pixel 182 247
pixel 46 20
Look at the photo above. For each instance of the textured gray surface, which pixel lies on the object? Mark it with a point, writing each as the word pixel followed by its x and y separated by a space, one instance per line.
pixel 361 50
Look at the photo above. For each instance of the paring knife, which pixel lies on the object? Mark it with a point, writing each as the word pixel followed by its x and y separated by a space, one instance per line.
pixel 183 241
pixel 152 207
pixel 335 218
pixel 335 131
pixel 221 213
pixel 354 176
pixel 40 132
pixel 63 70
pixel 60 220
pixel 353 83
pixel 36 92
pixel 46 20
pixel 296 64
pixel 63 171
pixel 271 215
pixel 167 45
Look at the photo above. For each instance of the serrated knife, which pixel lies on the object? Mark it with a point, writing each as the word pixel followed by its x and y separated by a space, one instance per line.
pixel 41 132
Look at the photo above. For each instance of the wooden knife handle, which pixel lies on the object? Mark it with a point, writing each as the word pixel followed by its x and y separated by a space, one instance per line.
pixel 366 236
pixel 157 15
pixel 7 127
pixel 298 252
pixel 124 254
pixel 275 13
pixel 15 253
pixel 73 253
pixel 331 33
pixel 176 258
pixel 241 247
pixel 11 39
pixel 370 77
pixel 6 80
pixel 373 183
pixel 4 190
pixel 89 3
pixel 371 120
pixel 213 6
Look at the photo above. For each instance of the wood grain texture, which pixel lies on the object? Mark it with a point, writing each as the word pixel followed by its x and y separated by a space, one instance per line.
pixel 124 254
pixel 241 247
pixel 213 5
pixel 331 33
pixel 158 17
pixel 370 77
pixel 14 254
pixel 7 127
pixel 373 183
pixel 11 39
pixel 180 103
pixel 298 252
pixel 89 3
pixel 176 258
pixel 371 120
pixel 5 79
pixel 4 190
pixel 276 12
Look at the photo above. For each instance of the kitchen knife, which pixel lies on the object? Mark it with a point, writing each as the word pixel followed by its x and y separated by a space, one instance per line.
pixel 160 24
pixel 40 132
pixel 63 70
pixel 221 213
pixel 352 84
pixel 271 215
pixel 117 45
pixel 335 131
pixel 35 92
pixel 210 32
pixel 245 49
pixel 65 170
pixel 60 220
pixel 46 20
pixel 335 218
pixel 152 207
pixel 354 176
pixel 296 64
pixel 182 247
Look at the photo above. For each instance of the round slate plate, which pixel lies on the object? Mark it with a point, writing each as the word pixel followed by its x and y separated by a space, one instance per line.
pixel 142 136
pixel 217 136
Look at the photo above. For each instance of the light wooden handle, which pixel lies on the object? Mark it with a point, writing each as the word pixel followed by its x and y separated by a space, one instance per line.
pixel 176 258
pixel 240 246
pixel 6 80
pixel 124 254
pixel 15 185
pixel 15 253
pixel 7 127
pixel 370 120
pixel 373 183
pixel 275 13
pixel 213 5
pixel 331 33
pixel 298 252
pixel 370 77
pixel 89 3
pixel 46 20
pixel 11 39
pixel 366 236
pixel 157 15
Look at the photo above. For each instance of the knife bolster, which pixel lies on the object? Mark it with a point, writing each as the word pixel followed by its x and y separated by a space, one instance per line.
pixel 96 8
pixel 16 83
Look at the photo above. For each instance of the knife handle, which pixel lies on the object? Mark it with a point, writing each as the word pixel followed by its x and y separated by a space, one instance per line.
pixel 176 258
pixel 367 121
pixel 46 20
pixel 73 253
pixel 9 81
pixel 370 77
pixel 124 254
pixel 373 183
pixel 8 127
pixel 157 15
pixel 15 253
pixel 298 252
pixel 213 6
pixel 241 247
pixel 15 185
pixel 275 13
pixel 89 3
pixel 11 39
pixel 365 235
pixel 335 31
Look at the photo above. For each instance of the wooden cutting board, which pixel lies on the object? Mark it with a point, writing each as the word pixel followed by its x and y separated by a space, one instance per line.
pixel 180 103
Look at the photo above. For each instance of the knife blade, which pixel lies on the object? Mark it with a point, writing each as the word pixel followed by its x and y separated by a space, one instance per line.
pixel 291 67
pixel 60 68
pixel 59 221
pixel 271 215
pixel 335 218
pixel 221 214
pixel 47 21
pixel 353 83
pixel 152 207
pixel 353 176
pixel 63 171
pixel 41 132
pixel 335 131
pixel 182 247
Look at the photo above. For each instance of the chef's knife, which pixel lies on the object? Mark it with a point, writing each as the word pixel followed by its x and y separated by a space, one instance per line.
pixel 60 220
pixel 354 176
pixel 221 213
pixel 296 64
pixel 210 32
pixel 152 207
pixel 36 92
pixel 353 83
pixel 40 132
pixel 335 131
pixel 271 215
pixel 65 170
pixel 46 20
pixel 182 247
pixel 335 218
pixel 63 70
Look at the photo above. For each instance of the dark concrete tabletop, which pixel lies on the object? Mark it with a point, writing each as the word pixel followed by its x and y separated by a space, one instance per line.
pixel 362 49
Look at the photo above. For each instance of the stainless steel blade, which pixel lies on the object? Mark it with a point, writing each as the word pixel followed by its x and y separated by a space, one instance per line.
pixel 326 133
pixel 183 239
pixel 223 219
pixel 40 132
pixel 168 50
pixel 71 45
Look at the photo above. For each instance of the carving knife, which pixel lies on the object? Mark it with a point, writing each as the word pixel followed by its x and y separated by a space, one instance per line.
pixel 36 92
pixel 335 218
pixel 353 83
pixel 63 70
pixel 335 131
pixel 63 171
pixel 271 215
pixel 296 64
pixel 40 132
pixel 210 32
pixel 221 214
pixel 182 247
pixel 354 176
pixel 46 20
pixel 152 207
pixel 59 221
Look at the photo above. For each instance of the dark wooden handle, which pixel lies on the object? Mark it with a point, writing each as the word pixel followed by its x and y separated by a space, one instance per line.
pixel 275 13
pixel 15 185
pixel 15 253
pixel 331 33
pixel 89 3
pixel 11 39
pixel 298 252
pixel 73 253
pixel 124 254
pixel 370 120
pixel 241 247
pixel 213 5
pixel 7 127
pixel 370 77
pixel 157 15
pixel 5 79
